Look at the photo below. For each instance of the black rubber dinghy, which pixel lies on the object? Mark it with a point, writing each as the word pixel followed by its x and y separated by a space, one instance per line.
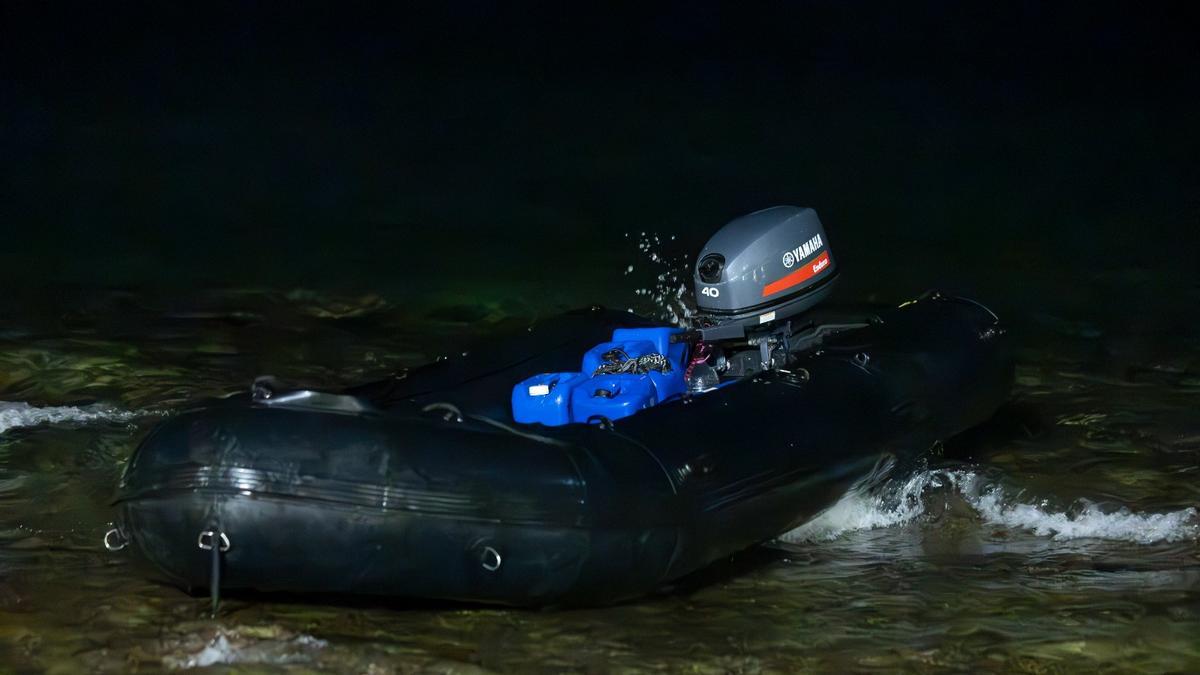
pixel 423 485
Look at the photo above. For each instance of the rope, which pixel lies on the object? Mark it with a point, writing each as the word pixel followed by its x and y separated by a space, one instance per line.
pixel 619 363
pixel 699 355
pixel 214 579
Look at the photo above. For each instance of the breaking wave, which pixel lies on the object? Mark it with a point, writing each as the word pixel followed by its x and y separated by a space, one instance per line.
pixel 899 501
pixel 19 414
pixel 229 648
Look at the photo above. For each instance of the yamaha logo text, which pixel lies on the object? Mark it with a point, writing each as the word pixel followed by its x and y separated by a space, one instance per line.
pixel 802 251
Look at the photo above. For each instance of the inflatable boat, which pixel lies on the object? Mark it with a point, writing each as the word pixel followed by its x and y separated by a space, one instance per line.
pixel 593 458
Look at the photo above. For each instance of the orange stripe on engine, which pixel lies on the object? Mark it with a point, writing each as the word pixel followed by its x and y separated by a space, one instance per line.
pixel 808 271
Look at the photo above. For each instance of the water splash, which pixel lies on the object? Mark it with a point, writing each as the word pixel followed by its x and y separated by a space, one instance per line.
pixel 900 501
pixel 1084 520
pixel 669 292
pixel 20 414
pixel 230 648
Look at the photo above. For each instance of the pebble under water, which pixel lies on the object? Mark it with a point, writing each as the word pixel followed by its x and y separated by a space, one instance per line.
pixel 1061 537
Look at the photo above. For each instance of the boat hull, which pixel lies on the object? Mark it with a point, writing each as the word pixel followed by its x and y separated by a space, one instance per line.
pixel 425 488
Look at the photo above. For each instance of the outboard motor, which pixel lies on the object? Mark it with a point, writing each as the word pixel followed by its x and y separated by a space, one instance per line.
pixel 764 268
pixel 753 278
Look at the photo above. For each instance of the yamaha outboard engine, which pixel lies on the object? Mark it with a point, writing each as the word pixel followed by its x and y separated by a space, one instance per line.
pixel 764 268
pixel 753 277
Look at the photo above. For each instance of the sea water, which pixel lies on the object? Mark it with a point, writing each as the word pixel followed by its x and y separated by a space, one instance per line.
pixel 1061 537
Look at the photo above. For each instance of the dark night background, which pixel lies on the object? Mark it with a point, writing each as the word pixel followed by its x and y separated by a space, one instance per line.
pixel 472 145
pixel 193 195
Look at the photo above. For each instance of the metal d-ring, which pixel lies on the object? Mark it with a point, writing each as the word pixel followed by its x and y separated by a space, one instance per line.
pixel 601 421
pixel 490 559
pixel 208 546
pixel 263 388
pixel 450 412
pixel 115 544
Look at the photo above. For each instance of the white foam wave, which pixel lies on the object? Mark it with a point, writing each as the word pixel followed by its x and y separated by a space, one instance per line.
pixel 230 649
pixel 21 414
pixel 897 502
pixel 891 503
